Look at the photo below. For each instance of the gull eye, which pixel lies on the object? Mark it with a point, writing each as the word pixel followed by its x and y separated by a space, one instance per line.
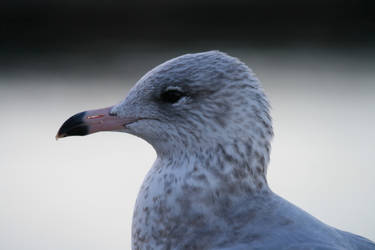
pixel 171 95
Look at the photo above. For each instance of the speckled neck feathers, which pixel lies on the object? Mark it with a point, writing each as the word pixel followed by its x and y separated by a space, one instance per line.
pixel 213 148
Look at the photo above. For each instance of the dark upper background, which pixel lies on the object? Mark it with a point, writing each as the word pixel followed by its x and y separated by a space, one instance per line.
pixel 315 58
pixel 40 29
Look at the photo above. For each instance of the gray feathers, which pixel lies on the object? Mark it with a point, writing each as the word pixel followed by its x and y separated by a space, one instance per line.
pixel 208 188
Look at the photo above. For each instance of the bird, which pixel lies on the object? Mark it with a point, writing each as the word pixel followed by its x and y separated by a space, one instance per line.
pixel 208 119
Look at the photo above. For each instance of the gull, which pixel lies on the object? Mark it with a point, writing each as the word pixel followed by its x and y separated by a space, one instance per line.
pixel 208 119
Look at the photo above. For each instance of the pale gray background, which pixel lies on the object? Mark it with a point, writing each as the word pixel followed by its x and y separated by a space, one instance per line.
pixel 316 59
pixel 78 193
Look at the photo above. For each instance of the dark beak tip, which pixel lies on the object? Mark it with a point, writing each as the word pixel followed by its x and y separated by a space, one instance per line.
pixel 74 126
pixel 59 136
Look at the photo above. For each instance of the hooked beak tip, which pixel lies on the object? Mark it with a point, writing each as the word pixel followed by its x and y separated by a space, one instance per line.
pixel 73 126
pixel 57 137
pixel 93 121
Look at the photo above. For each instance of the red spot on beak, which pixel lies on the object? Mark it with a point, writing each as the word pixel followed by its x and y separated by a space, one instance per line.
pixel 95 116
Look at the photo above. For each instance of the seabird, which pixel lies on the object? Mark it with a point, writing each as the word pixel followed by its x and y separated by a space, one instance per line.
pixel 208 119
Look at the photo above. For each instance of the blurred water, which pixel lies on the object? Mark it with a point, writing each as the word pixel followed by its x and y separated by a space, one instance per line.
pixel 78 193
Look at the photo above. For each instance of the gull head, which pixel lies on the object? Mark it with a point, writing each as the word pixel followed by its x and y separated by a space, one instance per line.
pixel 194 103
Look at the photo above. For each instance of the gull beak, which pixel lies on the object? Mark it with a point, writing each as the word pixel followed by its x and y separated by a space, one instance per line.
pixel 93 121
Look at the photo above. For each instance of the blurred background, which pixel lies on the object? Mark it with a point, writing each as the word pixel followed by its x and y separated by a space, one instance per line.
pixel 316 60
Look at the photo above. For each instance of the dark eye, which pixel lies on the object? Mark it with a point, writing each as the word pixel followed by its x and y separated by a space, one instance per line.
pixel 171 96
